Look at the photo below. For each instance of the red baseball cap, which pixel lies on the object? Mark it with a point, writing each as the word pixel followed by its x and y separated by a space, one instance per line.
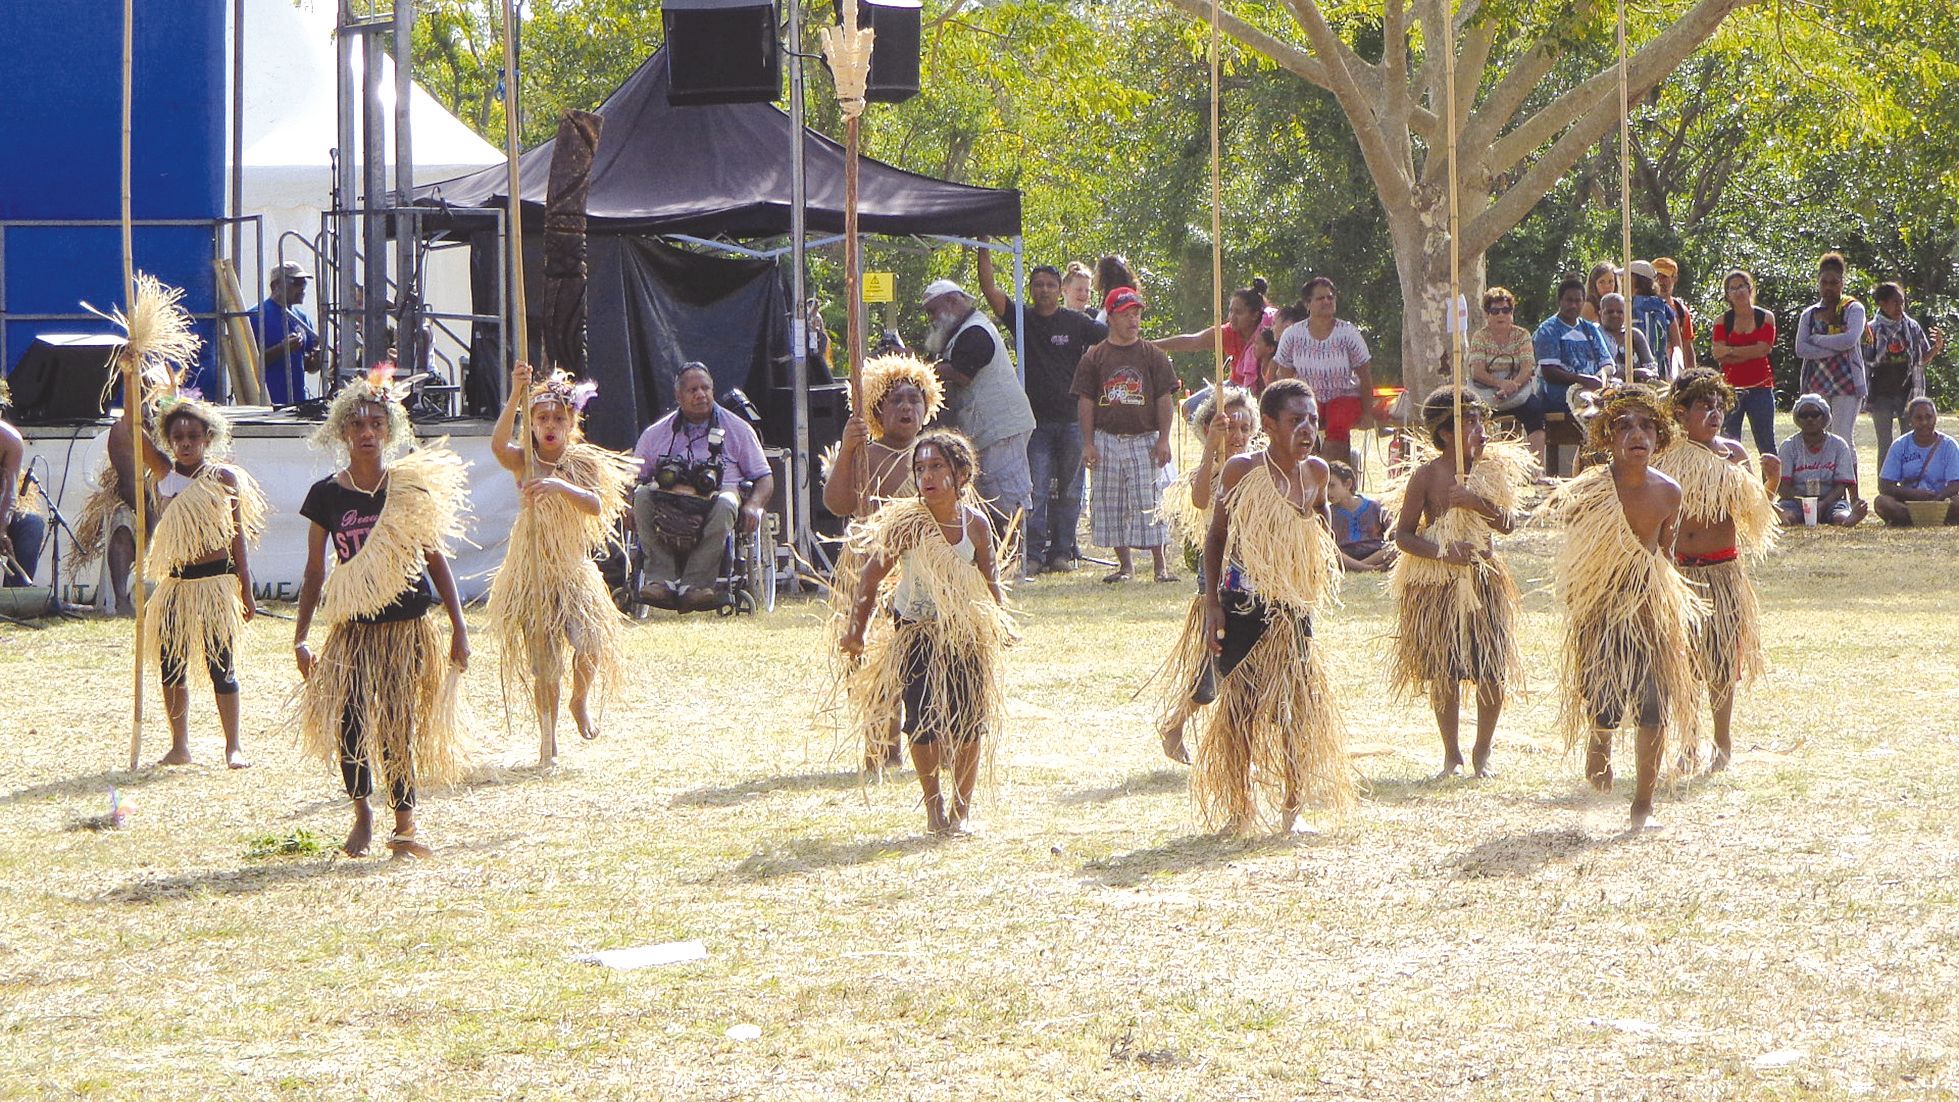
pixel 1122 298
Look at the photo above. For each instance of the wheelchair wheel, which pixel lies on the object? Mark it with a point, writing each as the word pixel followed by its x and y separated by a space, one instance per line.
pixel 761 572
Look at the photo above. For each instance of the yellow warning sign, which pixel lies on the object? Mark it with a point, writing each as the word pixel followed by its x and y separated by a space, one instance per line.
pixel 880 286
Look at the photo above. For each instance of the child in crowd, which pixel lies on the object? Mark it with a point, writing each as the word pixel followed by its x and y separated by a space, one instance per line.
pixel 1360 525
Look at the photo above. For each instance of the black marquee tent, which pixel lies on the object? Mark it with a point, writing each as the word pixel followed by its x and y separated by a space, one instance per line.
pixel 716 172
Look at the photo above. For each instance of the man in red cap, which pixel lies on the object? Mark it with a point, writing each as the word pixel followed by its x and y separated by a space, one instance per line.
pixel 1125 396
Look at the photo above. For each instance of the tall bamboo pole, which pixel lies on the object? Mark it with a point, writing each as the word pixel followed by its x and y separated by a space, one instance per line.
pixel 1217 218
pixel 847 47
pixel 132 387
pixel 1457 326
pixel 520 321
pixel 1625 192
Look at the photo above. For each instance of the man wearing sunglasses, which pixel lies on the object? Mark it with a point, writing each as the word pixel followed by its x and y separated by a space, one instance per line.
pixel 1820 464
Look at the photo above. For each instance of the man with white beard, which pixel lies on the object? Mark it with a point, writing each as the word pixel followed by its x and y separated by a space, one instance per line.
pixel 984 398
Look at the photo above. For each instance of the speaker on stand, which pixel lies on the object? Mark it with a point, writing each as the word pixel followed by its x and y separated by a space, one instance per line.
pixel 894 53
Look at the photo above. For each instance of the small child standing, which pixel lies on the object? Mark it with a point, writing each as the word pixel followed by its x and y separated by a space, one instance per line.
pixel 1360 526
pixel 940 665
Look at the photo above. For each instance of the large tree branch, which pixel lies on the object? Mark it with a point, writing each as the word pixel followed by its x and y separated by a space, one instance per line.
pixel 1294 60
pixel 1644 69
pixel 1521 79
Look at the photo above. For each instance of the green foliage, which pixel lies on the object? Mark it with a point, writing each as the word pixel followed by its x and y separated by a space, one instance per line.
pixel 300 843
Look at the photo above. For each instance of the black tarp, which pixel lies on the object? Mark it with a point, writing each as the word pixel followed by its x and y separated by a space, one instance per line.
pixel 723 171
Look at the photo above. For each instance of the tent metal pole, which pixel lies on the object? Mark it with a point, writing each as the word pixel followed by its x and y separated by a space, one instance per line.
pixel 799 459
pixel 344 224
pixel 1020 311
pixel 237 172
pixel 408 283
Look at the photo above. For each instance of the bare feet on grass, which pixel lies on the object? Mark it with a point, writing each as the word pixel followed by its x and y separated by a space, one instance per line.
pixel 935 820
pixel 1451 767
pixel 1642 820
pixel 407 847
pixel 363 832
pixel 234 758
pixel 1172 735
pixel 178 755
pixel 581 714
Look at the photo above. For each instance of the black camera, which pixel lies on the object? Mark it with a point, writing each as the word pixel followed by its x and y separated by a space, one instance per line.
pixel 704 477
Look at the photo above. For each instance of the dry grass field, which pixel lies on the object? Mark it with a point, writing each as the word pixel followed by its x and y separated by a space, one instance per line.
pixel 1793 934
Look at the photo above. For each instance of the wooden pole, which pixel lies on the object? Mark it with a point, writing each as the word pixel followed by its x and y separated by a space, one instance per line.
pixel 132 387
pixel 1625 192
pixel 520 321
pixel 852 261
pixel 1217 218
pixel 1457 327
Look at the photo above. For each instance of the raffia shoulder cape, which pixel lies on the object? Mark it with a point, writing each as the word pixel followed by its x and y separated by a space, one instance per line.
pixel 1629 619
pixel 200 615
pixel 1288 557
pixel 1459 622
pixel 428 495
pixel 1712 489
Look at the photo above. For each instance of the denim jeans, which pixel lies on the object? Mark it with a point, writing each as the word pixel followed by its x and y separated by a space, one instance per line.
pixel 1054 462
pixel 1757 403
pixel 1888 417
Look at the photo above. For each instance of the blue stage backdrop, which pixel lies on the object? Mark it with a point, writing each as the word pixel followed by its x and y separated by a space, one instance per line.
pixel 60 158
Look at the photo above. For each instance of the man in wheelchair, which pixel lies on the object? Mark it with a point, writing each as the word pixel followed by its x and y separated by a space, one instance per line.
pixel 692 466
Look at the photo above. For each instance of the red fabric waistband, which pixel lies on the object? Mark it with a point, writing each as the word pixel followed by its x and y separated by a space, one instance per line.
pixel 1712 558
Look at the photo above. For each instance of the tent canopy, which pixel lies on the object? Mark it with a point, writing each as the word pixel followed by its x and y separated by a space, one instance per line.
pixel 723 171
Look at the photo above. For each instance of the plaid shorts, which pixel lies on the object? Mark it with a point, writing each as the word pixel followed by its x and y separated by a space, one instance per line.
pixel 1123 492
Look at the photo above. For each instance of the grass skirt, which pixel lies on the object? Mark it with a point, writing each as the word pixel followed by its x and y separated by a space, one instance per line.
pixel 1463 629
pixel 1275 724
pixel 397 679
pixel 1728 645
pixel 192 617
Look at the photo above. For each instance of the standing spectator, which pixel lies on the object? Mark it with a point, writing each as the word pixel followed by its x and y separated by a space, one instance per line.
pixel 1896 351
pixel 1820 464
pixel 1056 338
pixel 1655 318
pixel 1570 350
pixel 1112 273
pixel 1266 347
pixel 1830 342
pixel 1125 394
pixel 1666 277
pixel 1503 367
pixel 1603 281
pixel 288 344
pixel 1331 357
pixel 1922 466
pixel 984 398
pixel 1743 339
pixel 1244 318
pixel 1645 366
pixel 1078 287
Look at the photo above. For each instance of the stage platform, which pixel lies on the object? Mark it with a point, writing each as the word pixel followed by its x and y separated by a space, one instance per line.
pixel 273 447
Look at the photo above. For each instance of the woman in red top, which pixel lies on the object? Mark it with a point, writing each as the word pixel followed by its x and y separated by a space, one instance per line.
pixel 1247 314
pixel 1742 340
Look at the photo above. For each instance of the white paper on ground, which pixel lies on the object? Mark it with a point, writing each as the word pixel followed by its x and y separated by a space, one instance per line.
pixel 645 956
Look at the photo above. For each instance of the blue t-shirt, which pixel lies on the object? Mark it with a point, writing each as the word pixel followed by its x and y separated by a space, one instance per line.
pixel 1354 519
pixel 1907 458
pixel 1578 348
pixel 274 323
pixel 1653 317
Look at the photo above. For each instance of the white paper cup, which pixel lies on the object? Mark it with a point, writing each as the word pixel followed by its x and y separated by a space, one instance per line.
pixel 1809 511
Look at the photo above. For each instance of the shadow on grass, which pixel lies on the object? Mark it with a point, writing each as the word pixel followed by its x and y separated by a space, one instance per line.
pixel 96 783
pixel 1142 784
pixel 1187 854
pixel 1522 854
pixel 730 795
pixel 260 876
pixel 810 854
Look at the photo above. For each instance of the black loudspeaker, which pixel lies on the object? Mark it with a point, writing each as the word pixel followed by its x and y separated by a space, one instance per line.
pixel 61 377
pixel 721 51
pixel 894 55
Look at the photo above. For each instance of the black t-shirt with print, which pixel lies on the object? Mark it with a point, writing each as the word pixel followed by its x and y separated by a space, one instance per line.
pixel 1054 349
pixel 348 516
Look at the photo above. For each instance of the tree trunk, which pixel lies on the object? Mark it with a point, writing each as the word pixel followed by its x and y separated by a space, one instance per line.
pixel 1420 233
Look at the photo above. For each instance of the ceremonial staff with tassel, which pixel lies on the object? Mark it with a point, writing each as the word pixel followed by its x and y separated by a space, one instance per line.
pixel 847 47
pixel 132 386
pixel 520 316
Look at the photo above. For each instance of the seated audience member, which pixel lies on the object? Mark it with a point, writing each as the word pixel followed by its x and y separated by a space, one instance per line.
pixel 1503 367
pixel 691 465
pixel 1612 324
pixel 1922 465
pixel 1570 350
pixel 1360 525
pixel 22 526
pixel 1818 463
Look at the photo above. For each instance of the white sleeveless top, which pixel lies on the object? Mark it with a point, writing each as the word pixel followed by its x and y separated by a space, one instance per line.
pixel 910 600
pixel 172 484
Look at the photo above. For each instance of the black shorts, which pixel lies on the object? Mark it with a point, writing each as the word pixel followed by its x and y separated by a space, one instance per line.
pixel 1245 622
pixel 930 709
